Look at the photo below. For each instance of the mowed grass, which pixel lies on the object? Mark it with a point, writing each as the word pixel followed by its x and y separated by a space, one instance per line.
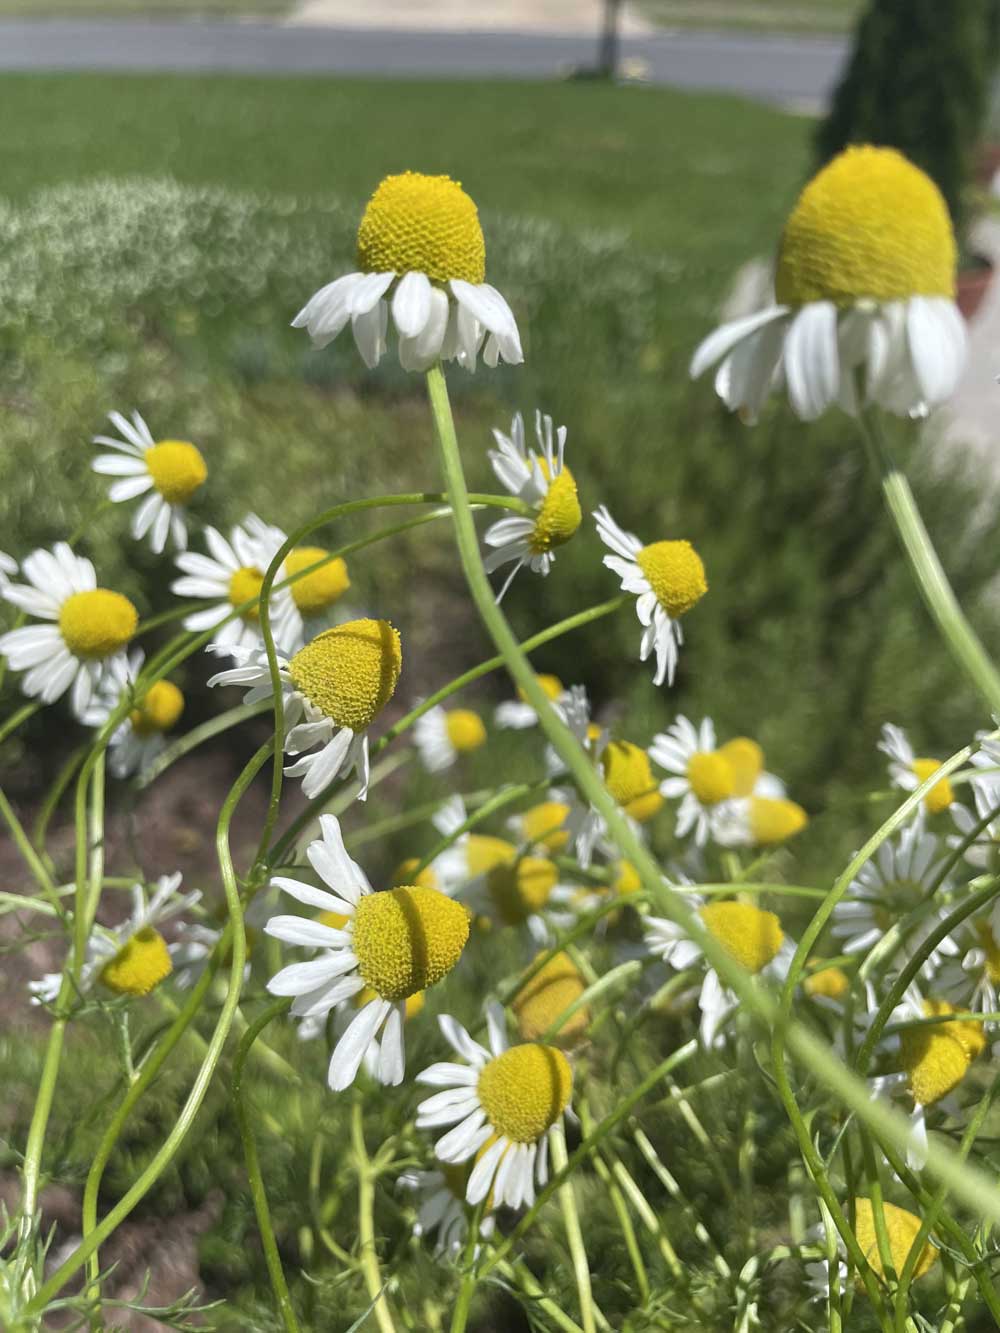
pixel 805 16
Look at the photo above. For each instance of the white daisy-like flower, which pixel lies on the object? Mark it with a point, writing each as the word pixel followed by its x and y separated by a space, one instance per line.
pixel 542 480
pixel 932 1059
pixel 667 579
pixel 131 958
pixel 312 601
pixel 702 777
pixel 333 689
pixel 86 632
pixel 441 735
pixel 573 707
pixel 502 1103
pixel 907 771
pixel 757 821
pixel 441 1208
pixel 971 979
pixel 167 474
pixel 8 568
pixel 395 943
pixel 422 257
pixel 865 289
pixel 749 934
pixel 628 776
pixel 137 741
pixel 895 882
pixel 980 845
pixel 518 715
pixel 231 575
pixel 902 1229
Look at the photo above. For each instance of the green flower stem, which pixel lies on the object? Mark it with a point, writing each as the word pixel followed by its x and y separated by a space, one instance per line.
pixel 189 1110
pixel 257 1191
pixel 574 1232
pixel 53 796
pixel 499 801
pixel 644 1212
pixel 616 979
pixel 520 1276
pixel 20 715
pixel 32 860
pixel 367 1251
pixel 215 726
pixel 669 1183
pixel 625 1226
pixel 467 1288
pixel 927 570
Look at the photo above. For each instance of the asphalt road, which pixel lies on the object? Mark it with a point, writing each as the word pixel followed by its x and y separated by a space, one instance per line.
pixel 772 68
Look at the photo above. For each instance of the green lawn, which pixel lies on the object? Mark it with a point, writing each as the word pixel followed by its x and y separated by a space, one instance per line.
pixel 138 8
pixel 815 16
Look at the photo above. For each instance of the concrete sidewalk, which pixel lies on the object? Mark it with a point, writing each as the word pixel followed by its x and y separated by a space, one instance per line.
pixel 552 16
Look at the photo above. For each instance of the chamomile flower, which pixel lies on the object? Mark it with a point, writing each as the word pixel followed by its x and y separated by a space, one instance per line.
pixel 543 826
pixel 865 291
pixel 902 1229
pixel 441 1207
pixel 168 474
pixel 629 778
pixel 441 735
pixel 312 601
pixel 932 1061
pixel 907 771
pixel 502 1103
pixel 395 943
pixel 979 830
pixel 421 257
pixel 542 480
pixel 87 629
pixel 8 567
pixel 518 715
pixel 231 575
pixel 131 958
pixel 667 578
pixel 971 979
pixel 757 821
pixel 556 986
pixel 703 776
pixel 471 856
pixel 749 934
pixel 333 689
pixel 573 707
pixel 142 736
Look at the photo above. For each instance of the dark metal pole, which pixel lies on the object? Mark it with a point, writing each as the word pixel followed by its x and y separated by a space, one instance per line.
pixel 607 56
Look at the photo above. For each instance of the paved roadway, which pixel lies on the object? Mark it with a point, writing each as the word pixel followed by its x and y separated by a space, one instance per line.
pixel 773 68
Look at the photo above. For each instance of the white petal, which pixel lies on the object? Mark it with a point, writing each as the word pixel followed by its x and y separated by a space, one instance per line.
pixel 812 360
pixel 411 304
pixel 350 1050
pixel 724 339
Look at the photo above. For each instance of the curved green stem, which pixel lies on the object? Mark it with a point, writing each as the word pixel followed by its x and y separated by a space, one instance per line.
pixel 366 1223
pixel 574 1233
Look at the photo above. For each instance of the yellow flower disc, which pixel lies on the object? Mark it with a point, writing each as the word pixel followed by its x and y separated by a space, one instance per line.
pixel 525 1091
pixel 675 573
pixel 424 879
pixel 934 1060
pixel 543 824
pixel 552 687
pixel 483 853
pixel 549 992
pixel 991 949
pixel 629 778
pixel 522 889
pixel 425 224
pixel 244 584
pixel 465 729
pixel 626 878
pixel 746 759
pixel 747 933
pixel 350 672
pixel 177 469
pixel 407 939
pixel 774 820
pixel 96 624
pixel 315 592
pixel 902 1228
pixel 711 776
pixel 159 711
pixel 869 225
pixel 559 516
pixel 830 982
pixel 940 795
pixel 969 1033
pixel 141 963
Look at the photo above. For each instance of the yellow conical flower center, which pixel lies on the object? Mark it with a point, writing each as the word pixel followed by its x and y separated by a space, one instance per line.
pixel 522 889
pixel 159 711
pixel 427 224
pixel 412 1007
pixel 774 820
pixel 869 225
pixel 141 963
pixel 559 516
pixel 969 1033
pixel 244 584
pixel 552 687
pixel 830 982
pixel 626 878
pixel 711 776
pixel 424 879
pixel 465 729
pixel 934 1059
pixel 989 946
pixel 548 994
pixel 96 624
pixel 313 593
pixel 543 824
pixel 940 795
pixel 349 673
pixel 629 778
pixel 747 933
pixel 675 573
pixel 407 939
pixel 746 759
pixel 525 1091
pixel 483 853
pixel 177 469
pixel 902 1228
